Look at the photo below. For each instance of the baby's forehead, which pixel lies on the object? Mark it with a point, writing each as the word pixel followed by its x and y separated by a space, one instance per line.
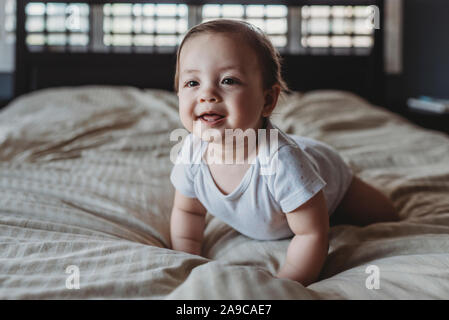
pixel 232 46
pixel 230 36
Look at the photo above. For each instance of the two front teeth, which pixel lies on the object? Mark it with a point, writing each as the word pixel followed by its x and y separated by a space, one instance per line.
pixel 211 117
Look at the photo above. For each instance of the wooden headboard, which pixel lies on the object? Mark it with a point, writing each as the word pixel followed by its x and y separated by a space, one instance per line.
pixel 303 71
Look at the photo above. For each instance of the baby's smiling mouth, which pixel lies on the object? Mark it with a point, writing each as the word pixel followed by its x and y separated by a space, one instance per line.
pixel 210 116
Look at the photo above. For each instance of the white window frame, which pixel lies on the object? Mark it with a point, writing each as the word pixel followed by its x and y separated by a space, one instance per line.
pixel 7 49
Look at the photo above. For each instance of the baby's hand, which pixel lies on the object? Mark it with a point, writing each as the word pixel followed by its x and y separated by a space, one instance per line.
pixel 305 257
pixel 307 251
pixel 187 224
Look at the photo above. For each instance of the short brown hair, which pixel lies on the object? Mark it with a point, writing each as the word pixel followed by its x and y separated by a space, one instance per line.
pixel 269 57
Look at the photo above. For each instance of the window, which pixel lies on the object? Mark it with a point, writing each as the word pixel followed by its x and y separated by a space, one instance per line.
pixel 7 37
pixel 272 19
pixel 10 20
pixel 336 27
pixel 59 26
pixel 144 25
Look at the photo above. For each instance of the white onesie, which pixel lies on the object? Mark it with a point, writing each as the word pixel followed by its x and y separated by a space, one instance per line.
pixel 283 177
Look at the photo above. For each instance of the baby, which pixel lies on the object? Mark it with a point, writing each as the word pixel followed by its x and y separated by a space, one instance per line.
pixel 228 79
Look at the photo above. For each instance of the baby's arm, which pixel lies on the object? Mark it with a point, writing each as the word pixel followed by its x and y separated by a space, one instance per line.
pixel 307 251
pixel 187 224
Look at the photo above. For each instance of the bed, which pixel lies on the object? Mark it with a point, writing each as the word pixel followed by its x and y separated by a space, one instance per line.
pixel 84 189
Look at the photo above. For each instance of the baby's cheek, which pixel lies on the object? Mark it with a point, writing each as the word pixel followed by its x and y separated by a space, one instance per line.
pixel 188 124
pixel 186 119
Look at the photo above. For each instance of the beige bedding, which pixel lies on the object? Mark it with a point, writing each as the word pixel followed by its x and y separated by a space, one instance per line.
pixel 84 181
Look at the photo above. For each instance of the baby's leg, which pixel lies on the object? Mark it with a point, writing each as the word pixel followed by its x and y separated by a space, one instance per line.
pixel 363 205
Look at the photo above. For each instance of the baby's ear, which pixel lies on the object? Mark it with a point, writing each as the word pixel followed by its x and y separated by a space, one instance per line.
pixel 271 96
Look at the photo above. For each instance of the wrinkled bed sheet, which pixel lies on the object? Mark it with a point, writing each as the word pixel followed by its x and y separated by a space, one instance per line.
pixel 84 181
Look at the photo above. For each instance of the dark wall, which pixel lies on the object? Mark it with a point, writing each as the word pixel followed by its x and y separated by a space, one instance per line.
pixel 425 52
pixel 425 55
pixel 6 86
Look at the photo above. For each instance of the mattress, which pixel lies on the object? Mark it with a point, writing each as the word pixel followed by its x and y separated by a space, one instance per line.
pixel 85 203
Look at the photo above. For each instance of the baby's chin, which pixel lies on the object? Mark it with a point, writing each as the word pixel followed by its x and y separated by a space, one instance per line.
pixel 221 134
pixel 210 135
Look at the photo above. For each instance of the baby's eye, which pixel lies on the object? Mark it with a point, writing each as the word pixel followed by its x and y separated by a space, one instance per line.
pixel 229 81
pixel 191 83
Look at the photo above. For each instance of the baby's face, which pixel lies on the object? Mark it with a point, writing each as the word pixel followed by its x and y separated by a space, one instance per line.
pixel 219 73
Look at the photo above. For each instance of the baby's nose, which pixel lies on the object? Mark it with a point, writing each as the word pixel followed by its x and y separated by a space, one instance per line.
pixel 209 94
pixel 208 99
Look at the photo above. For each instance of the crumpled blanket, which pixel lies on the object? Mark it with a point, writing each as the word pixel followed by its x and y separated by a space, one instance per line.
pixel 85 203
